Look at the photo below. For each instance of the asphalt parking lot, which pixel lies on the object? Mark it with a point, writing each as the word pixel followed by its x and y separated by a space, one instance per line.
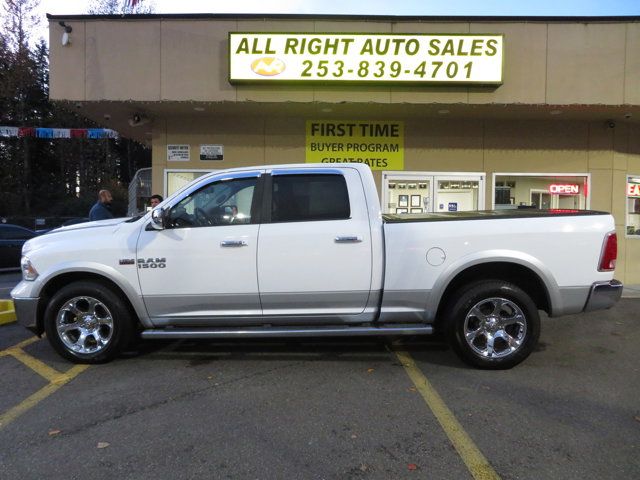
pixel 328 409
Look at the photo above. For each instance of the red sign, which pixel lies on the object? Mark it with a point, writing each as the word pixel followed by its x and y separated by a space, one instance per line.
pixel 633 189
pixel 564 189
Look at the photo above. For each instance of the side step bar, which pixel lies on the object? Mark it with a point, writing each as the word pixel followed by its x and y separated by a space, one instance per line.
pixel 267 332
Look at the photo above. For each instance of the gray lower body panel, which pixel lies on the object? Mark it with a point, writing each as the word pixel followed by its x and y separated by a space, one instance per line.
pixel 404 306
pixel 317 308
pixel 26 312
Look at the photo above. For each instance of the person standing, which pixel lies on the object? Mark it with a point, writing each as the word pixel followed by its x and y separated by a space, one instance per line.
pixel 155 200
pixel 102 208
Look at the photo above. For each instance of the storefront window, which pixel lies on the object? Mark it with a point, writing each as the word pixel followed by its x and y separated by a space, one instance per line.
pixel 176 179
pixel 513 191
pixel 415 192
pixel 633 206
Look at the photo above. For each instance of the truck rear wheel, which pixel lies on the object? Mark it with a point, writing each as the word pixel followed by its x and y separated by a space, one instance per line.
pixel 492 324
pixel 86 322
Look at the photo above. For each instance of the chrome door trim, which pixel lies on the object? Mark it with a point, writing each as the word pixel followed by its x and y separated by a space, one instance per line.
pixel 233 243
pixel 348 239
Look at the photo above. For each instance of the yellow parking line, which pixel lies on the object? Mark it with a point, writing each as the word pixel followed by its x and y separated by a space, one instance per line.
pixel 40 395
pixel 476 463
pixel 34 364
pixel 22 344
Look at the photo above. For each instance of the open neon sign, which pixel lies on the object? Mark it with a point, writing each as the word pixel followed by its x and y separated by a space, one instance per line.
pixel 564 189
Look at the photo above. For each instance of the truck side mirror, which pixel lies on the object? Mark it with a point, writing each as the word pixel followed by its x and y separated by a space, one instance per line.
pixel 158 216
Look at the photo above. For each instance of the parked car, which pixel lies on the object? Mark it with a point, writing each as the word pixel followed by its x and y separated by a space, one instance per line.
pixel 12 237
pixel 314 256
pixel 74 221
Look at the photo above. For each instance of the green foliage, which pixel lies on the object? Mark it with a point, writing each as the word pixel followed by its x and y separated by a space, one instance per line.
pixel 43 177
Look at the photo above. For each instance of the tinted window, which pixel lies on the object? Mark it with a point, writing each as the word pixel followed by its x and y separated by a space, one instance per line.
pixel 226 202
pixel 299 198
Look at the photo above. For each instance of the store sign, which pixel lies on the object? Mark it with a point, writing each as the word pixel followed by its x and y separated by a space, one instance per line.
pixel 178 153
pixel 633 189
pixel 378 144
pixel 211 152
pixel 366 57
pixel 564 189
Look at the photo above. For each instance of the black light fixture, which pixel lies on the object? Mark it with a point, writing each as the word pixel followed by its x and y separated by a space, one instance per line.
pixel 65 35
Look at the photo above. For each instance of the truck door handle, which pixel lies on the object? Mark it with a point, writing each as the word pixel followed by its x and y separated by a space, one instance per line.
pixel 348 239
pixel 233 243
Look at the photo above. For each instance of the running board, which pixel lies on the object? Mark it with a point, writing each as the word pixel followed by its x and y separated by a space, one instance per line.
pixel 266 332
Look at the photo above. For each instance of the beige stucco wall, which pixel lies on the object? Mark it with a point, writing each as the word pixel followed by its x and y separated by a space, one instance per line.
pixel 184 59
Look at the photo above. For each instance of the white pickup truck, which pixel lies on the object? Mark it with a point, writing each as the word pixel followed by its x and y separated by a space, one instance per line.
pixel 303 250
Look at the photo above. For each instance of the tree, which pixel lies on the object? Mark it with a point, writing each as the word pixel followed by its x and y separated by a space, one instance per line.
pixel 20 18
pixel 119 7
pixel 46 176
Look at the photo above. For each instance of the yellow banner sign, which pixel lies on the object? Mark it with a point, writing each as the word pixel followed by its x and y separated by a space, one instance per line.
pixel 378 144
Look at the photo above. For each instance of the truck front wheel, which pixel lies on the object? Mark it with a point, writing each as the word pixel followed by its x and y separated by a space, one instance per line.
pixel 492 324
pixel 86 322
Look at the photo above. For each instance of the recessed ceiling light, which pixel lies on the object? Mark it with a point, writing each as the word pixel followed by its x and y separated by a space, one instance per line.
pixel 555 112
pixel 444 112
pixel 199 109
pixel 326 110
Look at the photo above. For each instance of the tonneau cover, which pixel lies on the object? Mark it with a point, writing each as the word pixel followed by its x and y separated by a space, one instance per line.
pixel 486 215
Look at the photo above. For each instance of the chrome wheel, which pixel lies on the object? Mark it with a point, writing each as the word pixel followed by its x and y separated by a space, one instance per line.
pixel 495 328
pixel 84 325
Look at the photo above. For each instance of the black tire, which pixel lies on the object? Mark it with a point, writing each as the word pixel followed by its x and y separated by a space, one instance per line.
pixel 92 309
pixel 492 309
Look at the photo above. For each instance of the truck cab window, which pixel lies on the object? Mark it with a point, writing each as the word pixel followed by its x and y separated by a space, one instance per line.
pixel 226 202
pixel 303 198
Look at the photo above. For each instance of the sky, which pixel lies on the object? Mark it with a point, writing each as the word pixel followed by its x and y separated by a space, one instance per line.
pixel 571 8
pixel 378 7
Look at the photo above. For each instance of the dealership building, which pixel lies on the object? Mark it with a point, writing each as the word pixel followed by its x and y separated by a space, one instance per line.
pixel 451 113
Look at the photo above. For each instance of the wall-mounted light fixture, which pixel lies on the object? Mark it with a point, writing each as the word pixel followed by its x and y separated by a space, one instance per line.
pixel 65 35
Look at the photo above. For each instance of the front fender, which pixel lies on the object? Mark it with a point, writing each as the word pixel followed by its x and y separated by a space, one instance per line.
pixel 35 288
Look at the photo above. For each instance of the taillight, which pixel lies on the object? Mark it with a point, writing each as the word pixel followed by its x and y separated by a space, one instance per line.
pixel 609 253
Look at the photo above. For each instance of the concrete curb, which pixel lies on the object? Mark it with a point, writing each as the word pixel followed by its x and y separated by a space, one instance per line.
pixel 7 312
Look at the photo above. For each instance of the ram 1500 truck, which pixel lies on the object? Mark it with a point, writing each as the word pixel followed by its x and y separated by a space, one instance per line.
pixel 303 250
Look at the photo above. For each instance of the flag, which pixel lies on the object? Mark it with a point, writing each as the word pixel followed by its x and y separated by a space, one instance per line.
pixel 131 3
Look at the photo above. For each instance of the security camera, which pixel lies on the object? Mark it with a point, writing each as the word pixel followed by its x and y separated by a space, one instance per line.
pixel 610 124
pixel 628 115
pixel 107 116
pixel 78 105
pixel 137 119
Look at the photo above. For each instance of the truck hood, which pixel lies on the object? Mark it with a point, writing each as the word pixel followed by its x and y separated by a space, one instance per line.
pixel 96 224
pixel 87 231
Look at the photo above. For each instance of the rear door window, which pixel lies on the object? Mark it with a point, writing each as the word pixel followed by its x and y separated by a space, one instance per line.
pixel 313 197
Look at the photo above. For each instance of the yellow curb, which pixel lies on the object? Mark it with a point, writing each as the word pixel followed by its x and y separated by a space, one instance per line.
pixel 7 312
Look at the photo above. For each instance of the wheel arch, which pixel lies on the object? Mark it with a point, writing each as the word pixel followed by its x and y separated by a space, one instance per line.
pixel 55 283
pixel 520 275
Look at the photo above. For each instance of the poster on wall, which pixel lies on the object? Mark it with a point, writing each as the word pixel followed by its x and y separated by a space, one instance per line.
pixel 379 144
pixel 211 152
pixel 178 153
